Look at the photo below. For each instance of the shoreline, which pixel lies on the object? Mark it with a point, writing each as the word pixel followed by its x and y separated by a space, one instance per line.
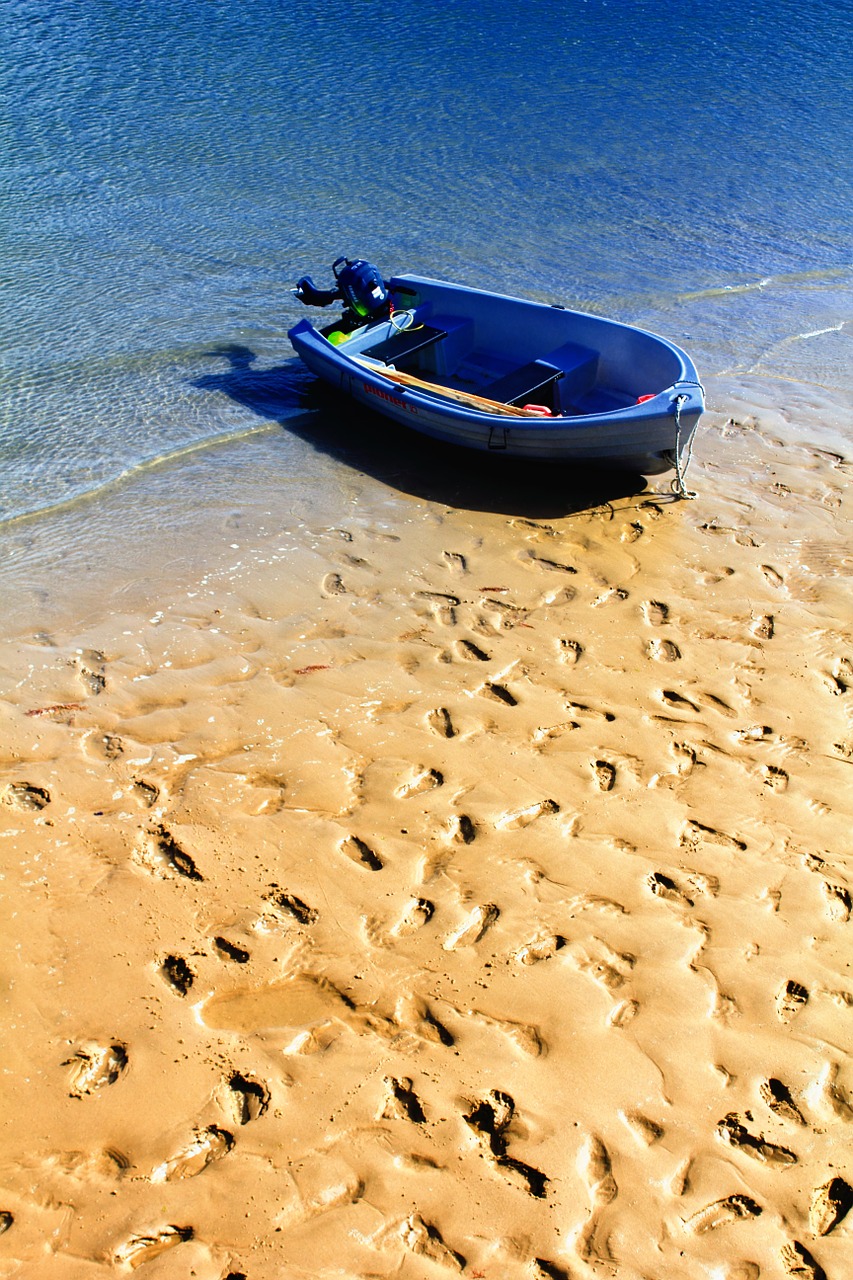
pixel 97 546
pixel 423 867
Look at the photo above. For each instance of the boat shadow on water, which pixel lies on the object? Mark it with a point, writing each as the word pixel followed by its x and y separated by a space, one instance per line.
pixel 406 460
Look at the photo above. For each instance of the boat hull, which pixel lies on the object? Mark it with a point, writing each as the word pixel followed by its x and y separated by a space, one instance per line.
pixel 644 437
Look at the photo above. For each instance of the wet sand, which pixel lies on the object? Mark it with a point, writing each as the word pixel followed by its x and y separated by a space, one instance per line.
pixel 467 894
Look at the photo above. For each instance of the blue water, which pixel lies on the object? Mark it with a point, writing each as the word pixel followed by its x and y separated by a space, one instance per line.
pixel 170 169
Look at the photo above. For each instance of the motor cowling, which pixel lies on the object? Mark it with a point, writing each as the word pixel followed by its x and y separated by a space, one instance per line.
pixel 361 287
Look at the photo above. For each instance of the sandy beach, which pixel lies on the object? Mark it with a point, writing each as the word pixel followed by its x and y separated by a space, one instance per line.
pixel 462 894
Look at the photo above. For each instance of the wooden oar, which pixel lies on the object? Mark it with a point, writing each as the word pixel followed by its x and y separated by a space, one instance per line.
pixel 462 397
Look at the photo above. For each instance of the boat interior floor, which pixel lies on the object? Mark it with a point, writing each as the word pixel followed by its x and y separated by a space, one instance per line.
pixel 564 380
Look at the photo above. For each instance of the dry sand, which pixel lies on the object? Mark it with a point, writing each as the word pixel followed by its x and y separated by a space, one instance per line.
pixel 471 897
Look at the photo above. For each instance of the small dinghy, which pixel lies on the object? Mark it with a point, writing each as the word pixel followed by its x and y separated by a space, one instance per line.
pixel 492 372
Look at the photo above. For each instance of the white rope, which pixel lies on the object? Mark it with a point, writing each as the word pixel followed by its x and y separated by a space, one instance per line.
pixel 678 485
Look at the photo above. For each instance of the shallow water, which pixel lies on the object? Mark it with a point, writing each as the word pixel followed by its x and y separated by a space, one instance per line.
pixel 170 174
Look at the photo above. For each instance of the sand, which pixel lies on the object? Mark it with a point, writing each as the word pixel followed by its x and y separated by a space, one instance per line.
pixel 469 895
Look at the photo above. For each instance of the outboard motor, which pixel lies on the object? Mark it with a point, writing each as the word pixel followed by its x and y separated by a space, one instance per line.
pixel 358 285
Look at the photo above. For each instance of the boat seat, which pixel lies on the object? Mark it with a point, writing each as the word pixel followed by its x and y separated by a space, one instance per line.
pixel 522 385
pixel 580 371
pixel 401 347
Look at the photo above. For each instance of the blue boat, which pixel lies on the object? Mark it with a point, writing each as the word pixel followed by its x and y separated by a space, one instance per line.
pixel 498 373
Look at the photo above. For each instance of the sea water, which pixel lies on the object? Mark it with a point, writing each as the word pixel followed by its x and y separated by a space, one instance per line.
pixel 169 170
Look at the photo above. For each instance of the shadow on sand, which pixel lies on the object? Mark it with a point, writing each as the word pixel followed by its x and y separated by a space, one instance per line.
pixel 405 460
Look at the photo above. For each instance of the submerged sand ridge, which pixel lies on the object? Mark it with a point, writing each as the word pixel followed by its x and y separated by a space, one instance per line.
pixel 474 898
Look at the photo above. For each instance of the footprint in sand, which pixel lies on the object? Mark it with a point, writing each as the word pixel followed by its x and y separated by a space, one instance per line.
pixel 158 851
pixel 655 613
pixel 230 950
pixel 713 703
pixel 824 1095
pixel 463 830
pixel 516 819
pixel 838 902
pixel 417 913
pixel 799 1263
pixel 6 1220
pixel 721 1212
pixel 455 561
pixel 498 693
pixel 206 1146
pixel 99 1164
pixel 332 585
pixel 471 651
pixel 733 1132
pixel 544 1269
pixel 400 1101
pixel 414 1014
pixel 145 793
pixel 424 780
pixel 790 1000
pixel 478 921
pixel 644 1131
pixel 844 999
pixel 521 1035
pixel 425 1241
pixel 140 1249
pixel 677 701
pixel 545 734
pixel 830 1203
pixel 593 1166
pixel 695 833
pixel 611 595
pixel 754 733
pixel 603 774
pixel 26 797
pixel 706 885
pixel 247 1099
pixel 774 778
pixel 444 606
pixel 178 974
pixel 842 675
pixel 440 722
pixel 361 854
pixel 90 670
pixel 552 566
pixel 103 746
pixel 571 651
pixel 314 1039
pixel 777 1097
pixel 631 532
pixel 664 887
pixel 601 963
pixel 489 1119
pixel 663 651
pixel 585 712
pixel 763 628
pixel 623 1013
pixel 678 1182
pixel 288 904
pixel 541 948
pixel 94 1066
